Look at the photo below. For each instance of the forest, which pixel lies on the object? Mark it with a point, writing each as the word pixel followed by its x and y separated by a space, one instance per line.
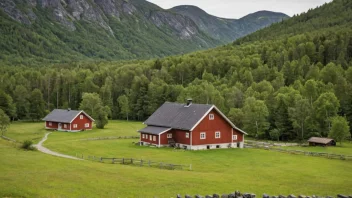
pixel 285 82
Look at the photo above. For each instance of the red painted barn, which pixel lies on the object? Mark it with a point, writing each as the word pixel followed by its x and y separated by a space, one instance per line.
pixel 68 120
pixel 191 126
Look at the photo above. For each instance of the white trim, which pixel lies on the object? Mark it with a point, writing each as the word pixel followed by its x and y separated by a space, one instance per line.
pixel 159 140
pixel 218 132
pixel 211 116
pixel 169 135
pixel 234 137
pixel 84 114
pixel 85 125
pixel 205 135
pixel 187 135
pixel 214 107
pixel 211 108
pixel 191 138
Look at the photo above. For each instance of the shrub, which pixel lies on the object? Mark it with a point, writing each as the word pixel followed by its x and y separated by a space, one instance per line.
pixel 27 145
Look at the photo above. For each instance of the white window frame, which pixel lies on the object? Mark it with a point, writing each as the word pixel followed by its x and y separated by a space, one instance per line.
pixel 146 136
pixel 81 117
pixel 65 126
pixel 211 116
pixel 217 135
pixel 187 135
pixel 75 126
pixel 154 138
pixel 169 135
pixel 203 136
pixel 143 136
pixel 234 137
pixel 50 124
pixel 86 125
pixel 150 137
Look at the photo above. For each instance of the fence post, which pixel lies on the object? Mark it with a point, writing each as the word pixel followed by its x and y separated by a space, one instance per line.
pixel 123 160
pixel 113 160
pixel 141 162
pixel 131 160
pixel 101 159
pixel 190 167
pixel 149 162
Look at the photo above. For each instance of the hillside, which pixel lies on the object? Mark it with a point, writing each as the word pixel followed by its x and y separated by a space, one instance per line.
pixel 54 31
pixel 228 30
pixel 292 87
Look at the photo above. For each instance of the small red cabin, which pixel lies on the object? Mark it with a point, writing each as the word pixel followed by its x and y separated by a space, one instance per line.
pixel 191 126
pixel 68 120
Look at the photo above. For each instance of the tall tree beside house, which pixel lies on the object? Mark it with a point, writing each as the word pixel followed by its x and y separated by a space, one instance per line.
pixel 325 107
pixel 4 122
pixel 92 104
pixel 255 117
pixel 124 106
pixel 37 105
pixel 339 129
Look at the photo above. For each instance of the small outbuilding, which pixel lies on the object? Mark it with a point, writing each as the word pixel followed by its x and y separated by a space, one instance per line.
pixel 318 141
pixel 68 120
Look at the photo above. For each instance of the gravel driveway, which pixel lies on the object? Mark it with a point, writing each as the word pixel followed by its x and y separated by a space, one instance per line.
pixel 41 148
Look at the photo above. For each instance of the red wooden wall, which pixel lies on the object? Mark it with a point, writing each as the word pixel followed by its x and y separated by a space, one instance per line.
pixel 81 123
pixel 210 127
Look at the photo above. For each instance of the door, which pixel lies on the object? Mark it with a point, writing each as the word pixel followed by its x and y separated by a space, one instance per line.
pixel 59 126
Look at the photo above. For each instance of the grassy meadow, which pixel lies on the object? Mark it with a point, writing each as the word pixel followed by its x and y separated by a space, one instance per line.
pixel 34 174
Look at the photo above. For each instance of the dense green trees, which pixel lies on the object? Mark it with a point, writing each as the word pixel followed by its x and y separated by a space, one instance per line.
pixel 283 89
pixel 93 105
pixel 340 129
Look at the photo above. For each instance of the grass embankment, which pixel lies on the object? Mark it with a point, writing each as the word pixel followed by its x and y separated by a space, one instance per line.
pixel 215 171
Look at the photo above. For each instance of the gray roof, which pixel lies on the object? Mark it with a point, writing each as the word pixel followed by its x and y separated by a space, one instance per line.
pixel 64 115
pixel 177 116
pixel 320 140
pixel 154 130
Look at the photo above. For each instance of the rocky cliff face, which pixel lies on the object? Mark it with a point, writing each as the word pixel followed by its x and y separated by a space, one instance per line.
pixel 228 30
pixel 113 29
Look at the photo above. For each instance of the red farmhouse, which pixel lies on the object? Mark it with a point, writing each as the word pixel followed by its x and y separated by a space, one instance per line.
pixel 191 126
pixel 68 120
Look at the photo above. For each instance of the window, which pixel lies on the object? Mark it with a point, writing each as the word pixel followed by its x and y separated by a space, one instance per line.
pixel 211 116
pixel 217 134
pixel 75 126
pixel 154 138
pixel 65 126
pixel 50 124
pixel 202 136
pixel 146 136
pixel 81 117
pixel 86 125
pixel 187 135
pixel 234 137
pixel 150 137
pixel 169 135
pixel 143 136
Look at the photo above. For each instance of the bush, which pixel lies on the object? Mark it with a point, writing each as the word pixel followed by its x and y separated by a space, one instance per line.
pixel 28 145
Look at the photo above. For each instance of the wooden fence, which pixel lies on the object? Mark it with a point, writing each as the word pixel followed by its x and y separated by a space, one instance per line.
pixel 111 138
pixel 136 162
pixel 307 153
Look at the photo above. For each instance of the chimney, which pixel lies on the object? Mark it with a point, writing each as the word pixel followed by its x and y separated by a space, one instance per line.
pixel 69 109
pixel 189 102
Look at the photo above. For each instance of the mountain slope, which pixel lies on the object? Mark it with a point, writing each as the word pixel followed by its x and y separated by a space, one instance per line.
pixel 67 30
pixel 228 30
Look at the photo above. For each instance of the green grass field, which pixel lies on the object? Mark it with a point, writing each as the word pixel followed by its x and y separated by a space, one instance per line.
pixel 34 174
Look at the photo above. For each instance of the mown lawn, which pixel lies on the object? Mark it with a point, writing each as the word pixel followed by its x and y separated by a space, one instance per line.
pixel 214 171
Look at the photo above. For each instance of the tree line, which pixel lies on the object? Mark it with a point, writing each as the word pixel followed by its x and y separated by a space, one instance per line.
pixel 285 89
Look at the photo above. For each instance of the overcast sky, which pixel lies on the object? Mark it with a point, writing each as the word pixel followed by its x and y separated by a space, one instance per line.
pixel 239 8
